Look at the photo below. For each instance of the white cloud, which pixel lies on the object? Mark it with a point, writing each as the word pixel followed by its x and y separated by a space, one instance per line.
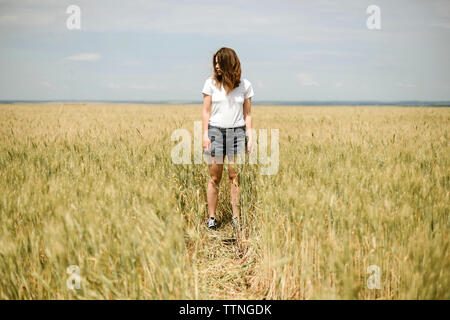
pixel 339 84
pixel 46 84
pixel 131 63
pixel 8 19
pixel 443 25
pixel 306 79
pixel 303 54
pixel 85 57
pixel 165 16
pixel 27 14
pixel 113 85
pixel 143 86
pixel 405 85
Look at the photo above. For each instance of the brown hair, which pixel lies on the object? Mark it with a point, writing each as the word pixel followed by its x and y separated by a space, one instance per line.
pixel 231 69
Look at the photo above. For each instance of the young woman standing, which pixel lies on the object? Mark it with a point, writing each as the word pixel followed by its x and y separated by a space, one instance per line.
pixel 226 120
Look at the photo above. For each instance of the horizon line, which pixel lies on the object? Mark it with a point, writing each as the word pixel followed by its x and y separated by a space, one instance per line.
pixel 445 103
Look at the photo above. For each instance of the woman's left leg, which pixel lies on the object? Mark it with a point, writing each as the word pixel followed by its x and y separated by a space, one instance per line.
pixel 233 179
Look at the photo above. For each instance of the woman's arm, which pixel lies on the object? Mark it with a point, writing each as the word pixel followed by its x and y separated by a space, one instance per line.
pixel 207 101
pixel 248 123
pixel 248 116
pixel 206 112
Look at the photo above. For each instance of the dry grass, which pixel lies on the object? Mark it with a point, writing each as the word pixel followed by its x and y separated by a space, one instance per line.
pixel 93 185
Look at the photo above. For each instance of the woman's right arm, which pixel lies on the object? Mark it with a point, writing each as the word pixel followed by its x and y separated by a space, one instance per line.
pixel 206 114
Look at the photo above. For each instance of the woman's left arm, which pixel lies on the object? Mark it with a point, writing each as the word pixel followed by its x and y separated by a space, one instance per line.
pixel 247 114
pixel 248 119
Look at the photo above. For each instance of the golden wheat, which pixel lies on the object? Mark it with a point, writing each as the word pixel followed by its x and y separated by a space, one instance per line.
pixel 93 185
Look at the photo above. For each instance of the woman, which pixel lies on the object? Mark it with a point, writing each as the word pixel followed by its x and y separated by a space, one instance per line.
pixel 226 122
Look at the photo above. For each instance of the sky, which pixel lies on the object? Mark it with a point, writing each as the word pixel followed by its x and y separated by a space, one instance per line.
pixel 162 50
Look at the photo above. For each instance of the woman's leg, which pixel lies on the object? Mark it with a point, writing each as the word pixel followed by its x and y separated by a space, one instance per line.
pixel 233 179
pixel 212 192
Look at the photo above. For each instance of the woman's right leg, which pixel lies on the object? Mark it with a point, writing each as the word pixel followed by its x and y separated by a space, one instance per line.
pixel 212 192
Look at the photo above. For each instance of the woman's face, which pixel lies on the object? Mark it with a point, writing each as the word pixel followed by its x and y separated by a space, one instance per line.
pixel 219 72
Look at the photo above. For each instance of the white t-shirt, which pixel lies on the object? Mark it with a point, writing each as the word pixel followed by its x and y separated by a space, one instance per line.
pixel 227 110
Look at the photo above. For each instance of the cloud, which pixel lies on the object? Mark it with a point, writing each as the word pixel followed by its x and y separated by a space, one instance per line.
pixel 405 85
pixel 443 25
pixel 113 85
pixel 301 55
pixel 46 84
pixel 339 84
pixel 177 17
pixel 134 86
pixel 131 63
pixel 85 57
pixel 143 86
pixel 306 79
pixel 8 19
pixel 27 14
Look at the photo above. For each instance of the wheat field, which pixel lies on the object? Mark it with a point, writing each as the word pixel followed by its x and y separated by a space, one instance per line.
pixel 94 186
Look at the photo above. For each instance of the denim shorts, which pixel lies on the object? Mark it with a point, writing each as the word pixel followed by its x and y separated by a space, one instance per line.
pixel 226 141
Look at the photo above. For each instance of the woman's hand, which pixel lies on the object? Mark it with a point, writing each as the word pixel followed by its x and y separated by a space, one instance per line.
pixel 206 143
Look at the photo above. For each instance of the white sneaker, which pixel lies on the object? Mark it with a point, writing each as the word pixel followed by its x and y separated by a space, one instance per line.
pixel 212 223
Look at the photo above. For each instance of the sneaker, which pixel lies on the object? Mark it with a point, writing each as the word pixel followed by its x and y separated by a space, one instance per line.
pixel 212 223
pixel 235 223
